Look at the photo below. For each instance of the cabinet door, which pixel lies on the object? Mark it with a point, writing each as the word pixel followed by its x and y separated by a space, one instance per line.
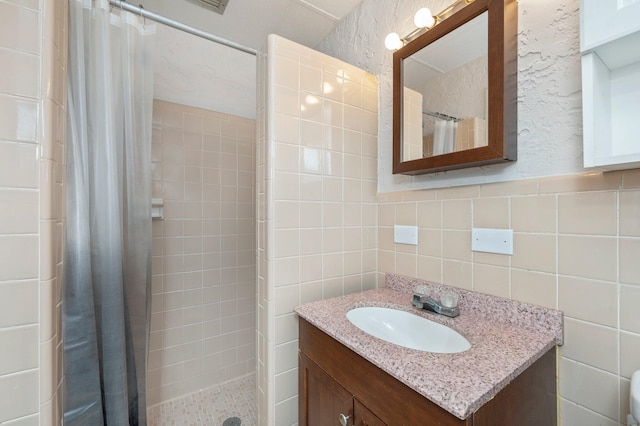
pixel 364 417
pixel 322 400
pixel 606 21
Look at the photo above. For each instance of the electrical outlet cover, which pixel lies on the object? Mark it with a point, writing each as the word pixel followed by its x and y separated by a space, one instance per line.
pixel 488 240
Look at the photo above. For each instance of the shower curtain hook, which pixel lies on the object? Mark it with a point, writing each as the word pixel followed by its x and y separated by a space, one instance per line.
pixel 144 19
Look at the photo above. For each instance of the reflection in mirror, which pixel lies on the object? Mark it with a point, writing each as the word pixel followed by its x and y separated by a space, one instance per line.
pixel 445 93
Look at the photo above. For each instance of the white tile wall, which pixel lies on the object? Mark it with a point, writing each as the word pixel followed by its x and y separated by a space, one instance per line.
pixel 32 135
pixel 317 148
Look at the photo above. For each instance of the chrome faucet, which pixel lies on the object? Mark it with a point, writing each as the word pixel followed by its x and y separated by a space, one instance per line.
pixel 423 301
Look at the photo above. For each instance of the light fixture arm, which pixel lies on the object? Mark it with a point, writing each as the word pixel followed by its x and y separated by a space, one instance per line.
pixel 444 14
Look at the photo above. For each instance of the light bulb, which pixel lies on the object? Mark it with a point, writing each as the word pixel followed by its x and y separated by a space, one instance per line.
pixel 392 41
pixel 424 18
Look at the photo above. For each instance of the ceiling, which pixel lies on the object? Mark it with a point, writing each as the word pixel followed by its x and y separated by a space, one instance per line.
pixel 248 22
pixel 192 71
pixel 196 72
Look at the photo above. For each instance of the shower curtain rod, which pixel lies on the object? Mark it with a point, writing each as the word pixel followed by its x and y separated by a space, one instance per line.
pixel 139 10
pixel 441 116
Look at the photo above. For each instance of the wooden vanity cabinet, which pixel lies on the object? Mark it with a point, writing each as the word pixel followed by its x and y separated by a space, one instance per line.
pixel 326 401
pixel 362 416
pixel 334 380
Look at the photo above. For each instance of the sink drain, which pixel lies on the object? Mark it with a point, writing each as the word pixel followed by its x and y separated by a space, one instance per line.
pixel 232 421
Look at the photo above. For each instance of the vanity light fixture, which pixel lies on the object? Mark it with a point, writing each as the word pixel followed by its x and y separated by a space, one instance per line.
pixel 424 18
pixel 393 41
pixel 424 21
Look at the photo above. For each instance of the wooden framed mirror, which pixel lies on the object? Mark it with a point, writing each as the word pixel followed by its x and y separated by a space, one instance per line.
pixel 455 92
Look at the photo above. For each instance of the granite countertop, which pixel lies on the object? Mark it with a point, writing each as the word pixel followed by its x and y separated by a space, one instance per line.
pixel 506 337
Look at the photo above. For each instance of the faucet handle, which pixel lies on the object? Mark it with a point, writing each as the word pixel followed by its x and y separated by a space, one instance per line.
pixel 422 290
pixel 449 299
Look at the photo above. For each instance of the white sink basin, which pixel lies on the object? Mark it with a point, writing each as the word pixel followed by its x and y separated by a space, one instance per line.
pixel 408 330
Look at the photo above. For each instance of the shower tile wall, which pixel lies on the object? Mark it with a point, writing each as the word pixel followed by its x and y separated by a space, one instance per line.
pixel 203 303
pixel 317 174
pixel 32 137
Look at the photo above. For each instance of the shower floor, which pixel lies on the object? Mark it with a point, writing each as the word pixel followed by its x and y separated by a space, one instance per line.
pixel 210 407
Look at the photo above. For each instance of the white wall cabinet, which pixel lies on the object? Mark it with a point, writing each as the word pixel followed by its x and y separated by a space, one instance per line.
pixel 610 47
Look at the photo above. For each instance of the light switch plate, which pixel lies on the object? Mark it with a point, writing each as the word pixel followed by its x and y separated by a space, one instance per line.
pixel 492 240
pixel 405 234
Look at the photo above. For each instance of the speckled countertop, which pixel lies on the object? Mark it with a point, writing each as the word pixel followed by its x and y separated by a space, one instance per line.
pixel 506 337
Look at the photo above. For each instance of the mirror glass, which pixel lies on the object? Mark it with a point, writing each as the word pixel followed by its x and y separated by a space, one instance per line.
pixel 445 93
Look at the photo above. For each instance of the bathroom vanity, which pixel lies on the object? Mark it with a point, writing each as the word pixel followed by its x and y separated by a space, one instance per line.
pixel 348 377
pixel 335 381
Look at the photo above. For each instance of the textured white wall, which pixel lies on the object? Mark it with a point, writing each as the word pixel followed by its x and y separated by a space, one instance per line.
pixel 460 92
pixel 192 71
pixel 549 87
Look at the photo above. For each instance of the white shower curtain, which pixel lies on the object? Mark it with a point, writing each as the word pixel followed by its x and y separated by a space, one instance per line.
pixel 107 256
pixel 444 136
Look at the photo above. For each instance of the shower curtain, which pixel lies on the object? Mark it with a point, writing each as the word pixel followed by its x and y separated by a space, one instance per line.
pixel 444 136
pixel 107 255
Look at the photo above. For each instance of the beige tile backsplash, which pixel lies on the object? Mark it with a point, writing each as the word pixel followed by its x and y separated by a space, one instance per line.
pixel 576 248
pixel 491 213
pixel 590 213
pixel 456 214
pixel 589 387
pixel 534 287
pixel 533 214
pixel 629 302
pixel 629 348
pixel 491 280
pixel 544 247
pixel 598 302
pixel 580 337
pixel 589 257
pixel 630 213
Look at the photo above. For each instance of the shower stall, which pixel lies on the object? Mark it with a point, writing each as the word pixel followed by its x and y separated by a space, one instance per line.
pixel 203 322
pixel 195 291
pixel 203 263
